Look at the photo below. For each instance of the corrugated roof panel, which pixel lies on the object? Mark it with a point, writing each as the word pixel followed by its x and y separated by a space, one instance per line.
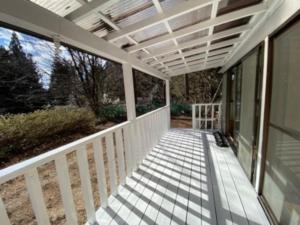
pixel 190 18
pixel 90 21
pixel 193 36
pixel 232 24
pixel 200 55
pixel 226 6
pixel 140 54
pixel 174 61
pixel 169 4
pixel 169 54
pixel 225 38
pixel 127 12
pixel 123 43
pixel 161 45
pixel 150 32
pixel 150 61
pixel 59 7
pixel 101 33
pixel 194 47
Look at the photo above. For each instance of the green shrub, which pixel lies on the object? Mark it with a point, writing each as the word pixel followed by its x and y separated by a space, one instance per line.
pixel 114 113
pixel 181 109
pixel 145 108
pixel 23 131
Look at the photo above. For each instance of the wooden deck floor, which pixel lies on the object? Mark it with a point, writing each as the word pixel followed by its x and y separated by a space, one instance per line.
pixel 186 179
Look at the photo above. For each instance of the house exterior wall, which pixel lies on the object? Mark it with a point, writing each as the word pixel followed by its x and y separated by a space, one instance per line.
pixel 253 156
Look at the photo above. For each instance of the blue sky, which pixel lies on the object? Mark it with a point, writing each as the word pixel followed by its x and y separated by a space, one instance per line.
pixel 42 51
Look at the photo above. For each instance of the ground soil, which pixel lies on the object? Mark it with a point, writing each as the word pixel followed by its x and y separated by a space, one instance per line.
pixel 14 192
pixel 181 122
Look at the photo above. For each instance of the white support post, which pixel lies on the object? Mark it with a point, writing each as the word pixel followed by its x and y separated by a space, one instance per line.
pixel 168 103
pixel 3 214
pixel 194 115
pixel 262 116
pixel 129 91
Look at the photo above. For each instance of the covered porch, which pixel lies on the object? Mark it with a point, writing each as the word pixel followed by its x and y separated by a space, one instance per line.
pixel 145 172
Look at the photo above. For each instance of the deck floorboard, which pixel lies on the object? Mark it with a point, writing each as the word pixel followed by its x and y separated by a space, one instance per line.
pixel 185 179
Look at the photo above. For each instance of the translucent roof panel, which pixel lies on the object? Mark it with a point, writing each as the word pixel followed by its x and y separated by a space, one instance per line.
pixel 166 44
pixel 127 12
pixel 226 6
pixel 190 18
pixel 91 22
pixel 225 38
pixel 200 55
pixel 232 24
pixel 169 4
pixel 123 42
pixel 150 32
pixel 59 7
pixel 140 54
pixel 193 48
pixel 173 55
pixel 193 36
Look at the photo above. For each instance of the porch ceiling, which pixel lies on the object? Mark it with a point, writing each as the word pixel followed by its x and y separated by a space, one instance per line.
pixel 165 34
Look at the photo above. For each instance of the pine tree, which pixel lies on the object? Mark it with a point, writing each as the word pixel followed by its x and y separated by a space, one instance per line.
pixel 61 82
pixel 20 80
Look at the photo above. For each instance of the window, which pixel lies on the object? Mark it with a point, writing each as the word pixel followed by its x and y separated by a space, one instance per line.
pixel 149 92
pixel 282 173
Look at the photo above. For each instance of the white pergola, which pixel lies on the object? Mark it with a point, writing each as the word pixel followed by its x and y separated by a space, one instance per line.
pixel 161 37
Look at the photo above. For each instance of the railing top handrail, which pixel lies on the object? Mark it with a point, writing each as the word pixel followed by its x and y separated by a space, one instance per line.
pixel 152 112
pixel 218 103
pixel 21 167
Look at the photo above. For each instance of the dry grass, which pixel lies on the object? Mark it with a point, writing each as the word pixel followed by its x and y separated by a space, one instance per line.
pixel 17 202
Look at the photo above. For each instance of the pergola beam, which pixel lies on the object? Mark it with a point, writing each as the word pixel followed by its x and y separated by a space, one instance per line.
pixel 178 10
pixel 251 10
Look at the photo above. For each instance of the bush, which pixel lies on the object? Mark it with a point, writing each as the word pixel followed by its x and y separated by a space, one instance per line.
pixel 115 113
pixel 23 131
pixel 181 109
pixel 145 108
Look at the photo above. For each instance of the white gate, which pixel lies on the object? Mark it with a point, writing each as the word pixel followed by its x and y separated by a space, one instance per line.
pixel 206 116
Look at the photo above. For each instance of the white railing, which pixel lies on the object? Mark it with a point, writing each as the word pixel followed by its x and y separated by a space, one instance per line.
pixel 206 116
pixel 131 141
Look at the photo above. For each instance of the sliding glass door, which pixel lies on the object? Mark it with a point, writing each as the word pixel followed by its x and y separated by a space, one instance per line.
pixel 281 187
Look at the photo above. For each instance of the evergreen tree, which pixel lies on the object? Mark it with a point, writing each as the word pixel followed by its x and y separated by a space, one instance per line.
pixel 61 81
pixel 20 85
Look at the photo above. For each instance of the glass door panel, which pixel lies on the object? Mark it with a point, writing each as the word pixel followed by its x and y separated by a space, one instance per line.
pixel 281 187
pixel 246 131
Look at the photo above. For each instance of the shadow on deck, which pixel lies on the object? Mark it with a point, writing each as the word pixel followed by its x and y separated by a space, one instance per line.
pixel 186 179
